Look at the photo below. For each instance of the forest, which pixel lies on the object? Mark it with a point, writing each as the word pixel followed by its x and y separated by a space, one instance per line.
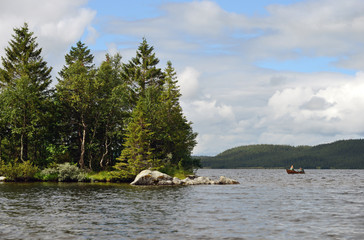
pixel 104 122
pixel 344 154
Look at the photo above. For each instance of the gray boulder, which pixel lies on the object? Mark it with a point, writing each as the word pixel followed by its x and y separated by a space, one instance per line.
pixel 2 179
pixel 148 177
pixel 225 180
pixel 197 181
pixel 176 181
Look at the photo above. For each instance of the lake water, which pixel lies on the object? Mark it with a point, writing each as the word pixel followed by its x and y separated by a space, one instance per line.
pixel 268 204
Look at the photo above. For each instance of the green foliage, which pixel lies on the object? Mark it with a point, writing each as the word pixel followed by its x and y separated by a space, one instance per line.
pixel 97 101
pixel 111 176
pixel 23 171
pixel 345 154
pixel 65 172
pixel 141 71
pixel 137 154
pixel 70 173
pixel 57 153
pixel 24 82
pixel 77 91
pixel 158 133
pixel 176 171
pixel 48 174
pixel 94 116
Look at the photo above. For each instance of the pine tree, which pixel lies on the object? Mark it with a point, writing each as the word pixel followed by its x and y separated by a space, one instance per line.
pixel 142 72
pixel 137 154
pixel 24 81
pixel 80 53
pixel 76 90
pixel 175 138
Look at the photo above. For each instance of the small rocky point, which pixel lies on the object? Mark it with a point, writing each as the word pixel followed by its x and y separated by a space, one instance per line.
pixel 149 177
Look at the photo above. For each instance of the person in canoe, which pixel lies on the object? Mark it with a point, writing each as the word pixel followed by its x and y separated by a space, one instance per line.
pixel 291 168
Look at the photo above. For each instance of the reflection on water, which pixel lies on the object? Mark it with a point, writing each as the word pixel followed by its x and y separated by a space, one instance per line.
pixel 268 204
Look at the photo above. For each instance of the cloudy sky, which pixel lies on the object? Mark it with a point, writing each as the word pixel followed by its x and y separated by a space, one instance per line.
pixel 251 72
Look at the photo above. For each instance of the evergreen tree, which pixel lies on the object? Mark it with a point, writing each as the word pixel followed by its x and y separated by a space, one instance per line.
pixel 76 91
pixel 137 154
pixel 175 138
pixel 142 72
pixel 113 107
pixel 24 81
pixel 79 53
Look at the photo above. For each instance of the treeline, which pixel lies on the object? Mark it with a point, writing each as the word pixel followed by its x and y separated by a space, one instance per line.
pixel 344 154
pixel 116 116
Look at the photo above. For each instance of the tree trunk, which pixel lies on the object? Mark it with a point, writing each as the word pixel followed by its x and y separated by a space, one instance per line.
pixel 21 148
pixel 24 140
pixel 105 153
pixel 1 139
pixel 91 142
pixel 83 140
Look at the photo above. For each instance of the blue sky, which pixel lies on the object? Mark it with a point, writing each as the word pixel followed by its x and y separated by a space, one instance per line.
pixel 251 72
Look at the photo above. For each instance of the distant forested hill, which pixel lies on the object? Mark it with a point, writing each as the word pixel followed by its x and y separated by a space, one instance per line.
pixel 344 154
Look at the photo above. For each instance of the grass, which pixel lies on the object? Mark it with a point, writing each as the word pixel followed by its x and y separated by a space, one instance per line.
pixel 110 176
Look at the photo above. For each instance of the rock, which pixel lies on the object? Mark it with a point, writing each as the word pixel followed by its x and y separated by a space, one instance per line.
pixel 191 176
pixel 2 179
pixel 165 182
pixel 148 177
pixel 225 180
pixel 188 181
pixel 197 181
pixel 203 180
pixel 176 181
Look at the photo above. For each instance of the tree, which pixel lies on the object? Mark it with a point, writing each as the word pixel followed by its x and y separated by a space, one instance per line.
pixel 24 81
pixel 174 139
pixel 113 106
pixel 80 53
pixel 76 90
pixel 142 72
pixel 137 154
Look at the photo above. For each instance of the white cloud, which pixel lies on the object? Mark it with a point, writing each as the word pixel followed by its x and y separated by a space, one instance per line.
pixel 202 18
pixel 56 24
pixel 331 110
pixel 229 99
pixel 188 81
pixel 312 28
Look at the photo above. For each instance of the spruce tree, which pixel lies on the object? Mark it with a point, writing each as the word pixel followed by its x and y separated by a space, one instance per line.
pixel 76 90
pixel 24 81
pixel 79 53
pixel 175 139
pixel 142 71
pixel 137 154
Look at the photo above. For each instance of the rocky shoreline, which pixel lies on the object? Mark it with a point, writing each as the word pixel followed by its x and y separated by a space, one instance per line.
pixel 149 177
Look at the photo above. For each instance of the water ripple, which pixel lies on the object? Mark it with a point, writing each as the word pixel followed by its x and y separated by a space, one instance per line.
pixel 268 204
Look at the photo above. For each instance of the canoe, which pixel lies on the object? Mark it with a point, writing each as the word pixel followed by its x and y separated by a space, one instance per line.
pixel 295 172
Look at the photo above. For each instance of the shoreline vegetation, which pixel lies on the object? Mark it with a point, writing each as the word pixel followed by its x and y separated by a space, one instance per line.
pixel 98 123
pixel 343 154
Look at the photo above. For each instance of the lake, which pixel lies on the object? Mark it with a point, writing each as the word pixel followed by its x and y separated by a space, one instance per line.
pixel 267 204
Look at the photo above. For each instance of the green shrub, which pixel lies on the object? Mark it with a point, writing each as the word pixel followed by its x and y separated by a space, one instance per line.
pixel 24 171
pixel 48 174
pixel 68 172
pixel 65 172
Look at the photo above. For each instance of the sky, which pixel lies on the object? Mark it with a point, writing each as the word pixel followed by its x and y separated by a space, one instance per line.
pixel 250 72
